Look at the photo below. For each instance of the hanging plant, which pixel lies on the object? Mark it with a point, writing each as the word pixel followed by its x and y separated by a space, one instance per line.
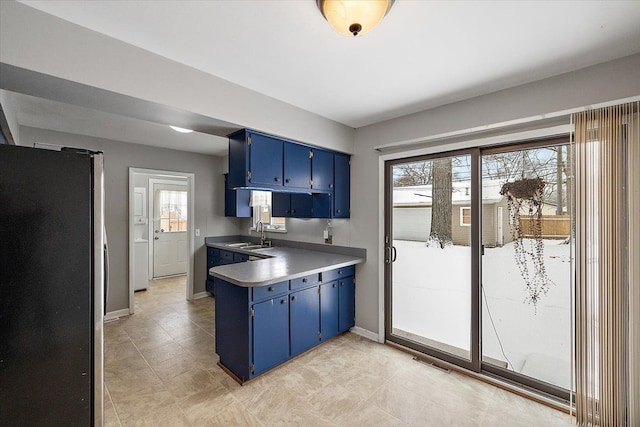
pixel 526 195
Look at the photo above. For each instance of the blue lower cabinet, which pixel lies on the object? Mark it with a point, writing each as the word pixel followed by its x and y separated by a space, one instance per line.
pixel 258 328
pixel 210 286
pixel 346 304
pixel 305 320
pixel 270 323
pixel 328 310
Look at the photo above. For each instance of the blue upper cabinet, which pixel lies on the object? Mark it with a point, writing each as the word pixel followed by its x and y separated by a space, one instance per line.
pixel 297 165
pixel 255 160
pixel 236 202
pixel 322 170
pixel 342 190
pixel 261 161
pixel 265 160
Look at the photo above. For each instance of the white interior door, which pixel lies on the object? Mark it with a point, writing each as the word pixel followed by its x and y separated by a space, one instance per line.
pixel 170 252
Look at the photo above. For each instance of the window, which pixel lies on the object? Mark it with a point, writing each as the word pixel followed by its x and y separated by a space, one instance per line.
pixel 261 203
pixel 465 216
pixel 173 210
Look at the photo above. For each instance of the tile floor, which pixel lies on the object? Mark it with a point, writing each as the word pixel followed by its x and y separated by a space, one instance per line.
pixel 160 370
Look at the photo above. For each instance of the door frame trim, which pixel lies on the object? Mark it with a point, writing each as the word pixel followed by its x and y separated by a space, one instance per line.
pixel 190 225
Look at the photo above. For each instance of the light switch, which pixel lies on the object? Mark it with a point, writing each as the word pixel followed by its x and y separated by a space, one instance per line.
pixel 197 232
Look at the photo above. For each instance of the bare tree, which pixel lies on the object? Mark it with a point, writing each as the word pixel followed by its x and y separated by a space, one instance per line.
pixel 418 173
pixel 441 203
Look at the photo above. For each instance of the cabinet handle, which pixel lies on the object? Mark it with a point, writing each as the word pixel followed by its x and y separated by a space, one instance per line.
pixel 304 280
pixel 339 271
pixel 293 211
pixel 338 211
pixel 283 301
pixel 330 185
pixel 277 178
pixel 334 285
pixel 287 180
pixel 270 289
pixel 293 298
pixel 341 283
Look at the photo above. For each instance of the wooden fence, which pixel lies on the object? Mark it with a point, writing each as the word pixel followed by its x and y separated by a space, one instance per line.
pixel 553 226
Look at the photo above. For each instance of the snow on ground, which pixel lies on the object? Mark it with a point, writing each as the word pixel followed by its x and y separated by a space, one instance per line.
pixel 432 298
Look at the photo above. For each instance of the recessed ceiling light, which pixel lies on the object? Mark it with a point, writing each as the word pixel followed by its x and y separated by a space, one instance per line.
pixel 181 130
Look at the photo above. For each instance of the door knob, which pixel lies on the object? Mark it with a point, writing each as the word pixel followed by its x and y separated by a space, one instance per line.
pixel 156 231
pixel 156 238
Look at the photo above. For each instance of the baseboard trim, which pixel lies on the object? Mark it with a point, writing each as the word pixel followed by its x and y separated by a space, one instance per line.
pixel 113 315
pixel 365 333
pixel 201 295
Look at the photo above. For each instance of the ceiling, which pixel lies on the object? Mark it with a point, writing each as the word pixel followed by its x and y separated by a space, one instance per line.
pixel 423 54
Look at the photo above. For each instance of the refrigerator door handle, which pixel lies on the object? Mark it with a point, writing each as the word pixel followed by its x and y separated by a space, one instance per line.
pixel 106 270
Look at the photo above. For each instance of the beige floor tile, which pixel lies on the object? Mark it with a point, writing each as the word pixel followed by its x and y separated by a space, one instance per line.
pixel 206 404
pixel 235 414
pixel 335 402
pixel 371 416
pixel 189 383
pixel 160 369
pixel 139 406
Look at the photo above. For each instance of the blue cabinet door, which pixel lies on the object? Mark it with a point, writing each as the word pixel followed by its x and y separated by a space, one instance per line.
pixel 329 310
pixel 265 160
pixel 342 186
pixel 305 320
pixel 301 205
pixel 346 303
pixel 322 170
pixel 297 165
pixel 270 333
pixel 281 205
pixel 236 202
pixel 321 205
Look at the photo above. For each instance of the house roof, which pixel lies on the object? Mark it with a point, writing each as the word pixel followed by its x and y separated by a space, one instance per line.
pixel 420 195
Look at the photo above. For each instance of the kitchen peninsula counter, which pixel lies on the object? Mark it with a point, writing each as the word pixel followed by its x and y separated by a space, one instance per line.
pixel 281 262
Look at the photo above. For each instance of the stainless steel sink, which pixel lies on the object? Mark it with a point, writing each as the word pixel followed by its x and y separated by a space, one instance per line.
pixel 238 244
pixel 252 247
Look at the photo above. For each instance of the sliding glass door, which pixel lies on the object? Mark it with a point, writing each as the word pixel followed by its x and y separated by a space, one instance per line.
pixel 479 263
pixel 430 255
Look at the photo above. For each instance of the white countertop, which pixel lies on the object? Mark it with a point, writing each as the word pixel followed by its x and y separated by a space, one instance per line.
pixel 285 264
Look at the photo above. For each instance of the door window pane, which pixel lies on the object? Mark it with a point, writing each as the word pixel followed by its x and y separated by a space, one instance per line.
pixel 431 275
pixel 172 208
pixel 526 267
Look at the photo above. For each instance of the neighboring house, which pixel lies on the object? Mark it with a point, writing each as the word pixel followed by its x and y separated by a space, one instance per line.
pixel 412 214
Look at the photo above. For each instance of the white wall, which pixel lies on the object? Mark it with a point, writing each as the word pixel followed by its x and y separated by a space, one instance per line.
pixel 118 157
pixel 601 83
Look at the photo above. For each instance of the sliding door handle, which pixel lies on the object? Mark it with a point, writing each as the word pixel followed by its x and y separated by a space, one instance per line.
pixel 395 254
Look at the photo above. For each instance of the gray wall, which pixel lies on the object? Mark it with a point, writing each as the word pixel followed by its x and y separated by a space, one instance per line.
pixel 118 157
pixel 601 83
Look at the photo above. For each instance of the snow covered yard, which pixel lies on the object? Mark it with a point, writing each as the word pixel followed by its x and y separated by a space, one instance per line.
pixel 432 297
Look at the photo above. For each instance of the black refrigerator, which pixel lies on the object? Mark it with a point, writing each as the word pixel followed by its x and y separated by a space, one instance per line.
pixel 52 287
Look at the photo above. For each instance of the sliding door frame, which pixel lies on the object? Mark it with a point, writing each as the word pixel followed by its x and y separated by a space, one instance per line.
pixel 475 364
pixel 474 346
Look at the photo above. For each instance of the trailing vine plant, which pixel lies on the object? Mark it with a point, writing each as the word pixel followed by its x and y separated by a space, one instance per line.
pixel 526 195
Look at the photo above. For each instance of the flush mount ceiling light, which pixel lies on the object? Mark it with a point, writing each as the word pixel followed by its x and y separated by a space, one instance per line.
pixel 181 130
pixel 354 17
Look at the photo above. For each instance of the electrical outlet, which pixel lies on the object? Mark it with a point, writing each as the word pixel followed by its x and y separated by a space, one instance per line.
pixel 197 232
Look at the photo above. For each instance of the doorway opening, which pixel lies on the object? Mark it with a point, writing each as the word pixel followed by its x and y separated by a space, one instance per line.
pixel 161 220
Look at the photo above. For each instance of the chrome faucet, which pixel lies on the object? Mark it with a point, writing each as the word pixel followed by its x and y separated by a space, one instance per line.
pixel 260 229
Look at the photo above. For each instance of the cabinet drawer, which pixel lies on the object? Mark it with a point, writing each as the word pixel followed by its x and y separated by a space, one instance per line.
pixel 237 257
pixel 269 291
pixel 303 282
pixel 213 252
pixel 338 273
pixel 226 255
